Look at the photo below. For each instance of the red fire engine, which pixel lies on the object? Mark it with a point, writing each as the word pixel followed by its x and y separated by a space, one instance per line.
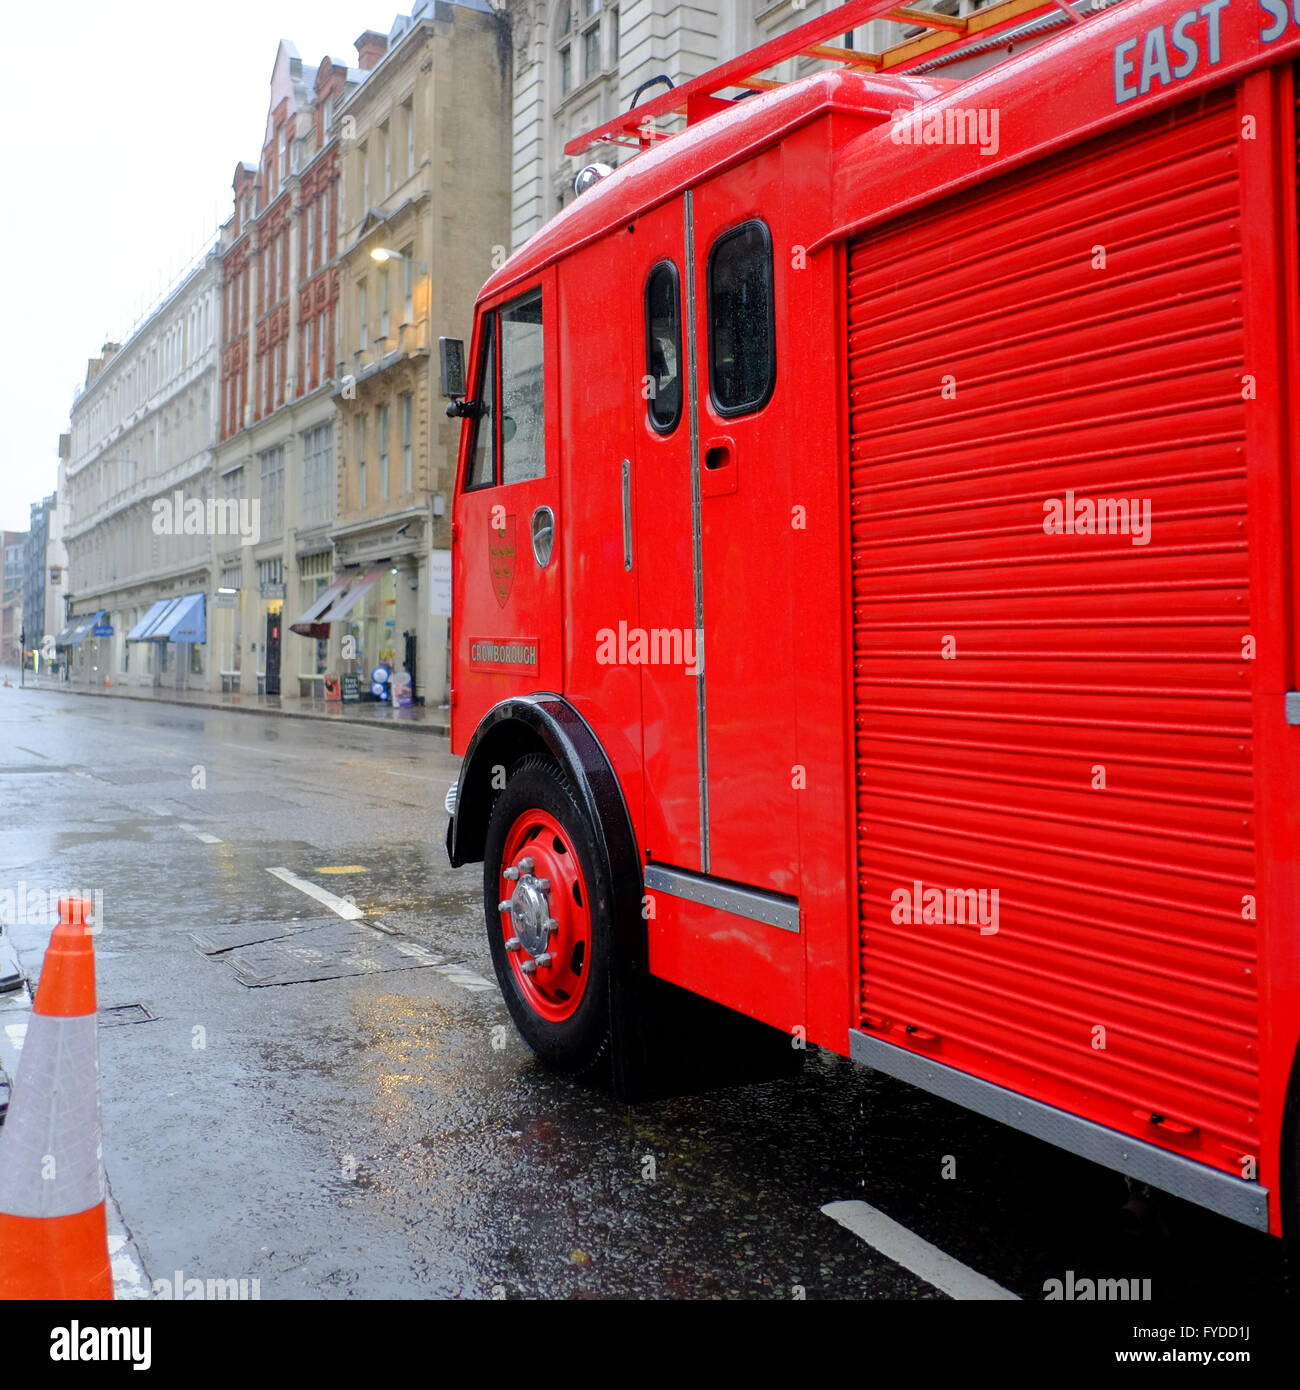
pixel 875 604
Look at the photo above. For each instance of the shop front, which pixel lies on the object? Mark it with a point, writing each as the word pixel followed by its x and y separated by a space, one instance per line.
pixel 171 638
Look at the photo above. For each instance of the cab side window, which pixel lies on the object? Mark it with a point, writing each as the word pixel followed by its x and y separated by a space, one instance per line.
pixel 510 428
pixel 481 455
pixel 742 320
pixel 523 416
pixel 663 347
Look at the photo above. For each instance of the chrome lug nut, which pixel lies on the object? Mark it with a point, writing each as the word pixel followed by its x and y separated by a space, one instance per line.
pixel 528 967
pixel 543 885
pixel 510 873
pixel 513 944
pixel 551 925
pixel 503 905
pixel 526 864
pixel 546 958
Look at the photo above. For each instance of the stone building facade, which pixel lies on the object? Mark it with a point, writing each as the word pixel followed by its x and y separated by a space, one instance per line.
pixel 425 210
pixel 143 427
pixel 578 63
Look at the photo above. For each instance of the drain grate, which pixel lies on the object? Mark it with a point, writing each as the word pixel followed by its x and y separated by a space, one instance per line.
pixel 120 1014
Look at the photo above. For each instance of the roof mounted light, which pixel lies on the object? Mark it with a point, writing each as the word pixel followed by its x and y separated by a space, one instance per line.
pixel 590 177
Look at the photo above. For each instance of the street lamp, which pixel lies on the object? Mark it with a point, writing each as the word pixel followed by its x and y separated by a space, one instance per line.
pixel 383 254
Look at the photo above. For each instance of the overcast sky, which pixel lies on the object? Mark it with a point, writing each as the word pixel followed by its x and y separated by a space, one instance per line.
pixel 124 122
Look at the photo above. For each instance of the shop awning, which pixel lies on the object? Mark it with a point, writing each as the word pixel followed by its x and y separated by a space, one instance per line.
pixel 311 624
pixel 354 595
pixel 140 632
pixel 172 620
pixel 79 629
pixel 183 621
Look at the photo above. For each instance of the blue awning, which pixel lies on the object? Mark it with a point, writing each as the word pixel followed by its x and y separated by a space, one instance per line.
pixel 79 629
pixel 140 632
pixel 183 622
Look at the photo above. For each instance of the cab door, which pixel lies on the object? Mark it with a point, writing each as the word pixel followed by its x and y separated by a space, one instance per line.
pixel 506 550
pixel 715 564
pixel 747 469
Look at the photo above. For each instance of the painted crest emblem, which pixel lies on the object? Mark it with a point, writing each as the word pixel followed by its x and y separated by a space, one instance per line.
pixel 501 558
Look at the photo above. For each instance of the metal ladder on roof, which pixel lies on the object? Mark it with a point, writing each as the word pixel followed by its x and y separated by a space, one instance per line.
pixel 940 36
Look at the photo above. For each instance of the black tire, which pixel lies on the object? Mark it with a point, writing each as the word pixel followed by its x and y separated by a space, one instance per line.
pixel 578 1045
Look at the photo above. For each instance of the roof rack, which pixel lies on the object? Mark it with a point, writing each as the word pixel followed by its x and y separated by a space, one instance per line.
pixel 941 35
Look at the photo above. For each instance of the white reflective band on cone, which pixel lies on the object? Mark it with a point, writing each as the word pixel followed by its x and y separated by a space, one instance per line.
pixel 51 1159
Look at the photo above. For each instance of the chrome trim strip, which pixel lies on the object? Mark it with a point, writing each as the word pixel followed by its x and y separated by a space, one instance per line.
pixel 1293 706
pixel 755 903
pixel 1242 1201
pixel 697 533
pixel 627 514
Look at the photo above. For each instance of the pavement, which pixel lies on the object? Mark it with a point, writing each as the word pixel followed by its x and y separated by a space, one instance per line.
pixel 372 713
pixel 311 1088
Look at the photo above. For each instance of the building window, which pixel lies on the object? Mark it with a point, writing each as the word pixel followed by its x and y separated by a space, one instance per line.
pixel 363 153
pixel 232 486
pixel 566 66
pixel 591 52
pixel 406 445
pixel 325 324
pixel 409 107
pixel 383 453
pixel 408 284
pixel 311 237
pixel 386 157
pixel 614 16
pixel 318 476
pixel 383 304
pixel 314 575
pixel 363 310
pixel 271 463
pixel 361 461
pixel 284 154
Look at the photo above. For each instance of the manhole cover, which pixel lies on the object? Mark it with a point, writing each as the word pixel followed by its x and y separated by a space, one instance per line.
pixel 329 952
pixel 119 1014
pixel 212 940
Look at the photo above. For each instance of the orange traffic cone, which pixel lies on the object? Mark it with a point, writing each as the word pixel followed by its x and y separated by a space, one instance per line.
pixel 53 1232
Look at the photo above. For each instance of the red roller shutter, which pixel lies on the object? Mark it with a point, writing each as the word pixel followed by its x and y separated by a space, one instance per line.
pixel 1065 718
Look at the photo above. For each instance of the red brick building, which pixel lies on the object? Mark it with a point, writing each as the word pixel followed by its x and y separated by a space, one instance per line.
pixel 276 449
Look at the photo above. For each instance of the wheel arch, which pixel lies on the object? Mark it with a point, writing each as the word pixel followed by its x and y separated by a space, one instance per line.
pixel 549 724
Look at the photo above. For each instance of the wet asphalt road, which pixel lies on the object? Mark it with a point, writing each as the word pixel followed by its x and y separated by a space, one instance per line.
pixel 388 1135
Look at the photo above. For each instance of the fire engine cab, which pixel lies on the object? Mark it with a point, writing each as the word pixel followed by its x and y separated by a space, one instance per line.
pixel 874 582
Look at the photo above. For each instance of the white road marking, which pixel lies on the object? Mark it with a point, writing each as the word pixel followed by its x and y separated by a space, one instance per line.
pixel 129 1277
pixel 906 1248
pixel 16 1033
pixel 466 978
pixel 348 911
pixel 200 835
pixel 158 810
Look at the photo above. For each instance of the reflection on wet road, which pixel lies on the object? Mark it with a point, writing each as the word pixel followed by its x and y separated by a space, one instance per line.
pixel 385 1133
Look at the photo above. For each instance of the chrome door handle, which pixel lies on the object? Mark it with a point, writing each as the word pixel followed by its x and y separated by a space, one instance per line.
pixel 627 514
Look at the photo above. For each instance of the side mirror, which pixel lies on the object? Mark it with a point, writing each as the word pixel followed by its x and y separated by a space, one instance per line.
pixel 451 363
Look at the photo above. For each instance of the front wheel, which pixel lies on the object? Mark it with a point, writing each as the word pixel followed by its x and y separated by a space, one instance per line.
pixel 547 900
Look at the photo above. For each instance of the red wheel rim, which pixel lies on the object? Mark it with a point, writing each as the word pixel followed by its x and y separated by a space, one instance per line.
pixel 554 989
